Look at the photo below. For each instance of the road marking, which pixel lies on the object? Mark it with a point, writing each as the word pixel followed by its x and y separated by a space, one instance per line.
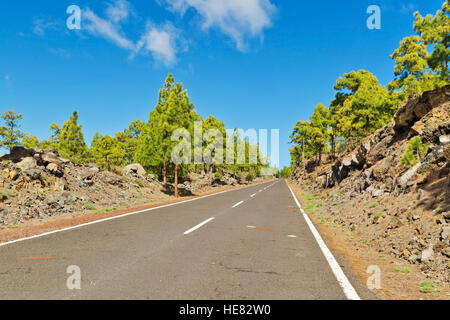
pixel 265 229
pixel 342 279
pixel 119 216
pixel 198 226
pixel 261 228
pixel 292 236
pixel 253 195
pixel 238 204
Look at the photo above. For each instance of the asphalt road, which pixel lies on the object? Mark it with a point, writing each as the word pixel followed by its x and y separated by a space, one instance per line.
pixel 251 243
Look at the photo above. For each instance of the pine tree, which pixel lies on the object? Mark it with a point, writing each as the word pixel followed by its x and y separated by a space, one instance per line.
pixel 129 140
pixel 361 105
pixel 415 152
pixel 319 125
pixel 173 111
pixel 211 123
pixel 29 141
pixel 412 72
pixel 71 142
pixel 301 137
pixel 107 151
pixel 10 135
pixel 154 148
pixel 435 31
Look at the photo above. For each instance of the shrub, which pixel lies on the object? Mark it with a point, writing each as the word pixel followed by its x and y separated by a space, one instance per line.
pixel 403 270
pixel 416 151
pixel 219 174
pixel 427 286
pixel 90 206
pixel 249 177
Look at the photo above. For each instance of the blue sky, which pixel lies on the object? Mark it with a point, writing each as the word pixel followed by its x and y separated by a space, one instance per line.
pixel 260 64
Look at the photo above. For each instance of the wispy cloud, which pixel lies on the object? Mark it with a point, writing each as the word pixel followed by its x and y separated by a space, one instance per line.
pixel 398 6
pixel 407 8
pixel 60 52
pixel 8 80
pixel 118 11
pixel 238 19
pixel 41 25
pixel 106 29
pixel 161 42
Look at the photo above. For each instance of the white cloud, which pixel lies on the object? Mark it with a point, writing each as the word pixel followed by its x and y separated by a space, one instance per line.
pixel 161 42
pixel 118 11
pixel 238 19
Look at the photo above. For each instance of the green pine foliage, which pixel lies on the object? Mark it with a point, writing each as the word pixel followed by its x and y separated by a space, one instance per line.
pixel 415 152
pixel 10 134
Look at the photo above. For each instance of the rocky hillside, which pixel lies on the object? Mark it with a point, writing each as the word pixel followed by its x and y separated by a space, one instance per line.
pixel 399 210
pixel 39 183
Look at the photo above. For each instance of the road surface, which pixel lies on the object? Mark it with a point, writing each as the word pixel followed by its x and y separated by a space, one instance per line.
pixel 251 243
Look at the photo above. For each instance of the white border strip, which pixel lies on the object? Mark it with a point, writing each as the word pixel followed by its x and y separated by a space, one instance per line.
pixel 345 284
pixel 199 226
pixel 122 216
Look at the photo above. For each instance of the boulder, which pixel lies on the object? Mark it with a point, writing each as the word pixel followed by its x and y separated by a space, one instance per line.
pixel 426 255
pixel 134 170
pixel 229 179
pixel 444 140
pixel 445 234
pixel 54 168
pixel 50 157
pixel 406 177
pixel 17 154
pixel 377 193
pixel 419 105
pixel 27 163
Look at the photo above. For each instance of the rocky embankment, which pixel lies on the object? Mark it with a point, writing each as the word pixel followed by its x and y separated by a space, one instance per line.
pixel 39 183
pixel 396 210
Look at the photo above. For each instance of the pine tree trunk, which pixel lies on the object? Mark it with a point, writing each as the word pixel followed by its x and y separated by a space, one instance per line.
pixel 164 172
pixel 303 151
pixel 176 180
pixel 333 147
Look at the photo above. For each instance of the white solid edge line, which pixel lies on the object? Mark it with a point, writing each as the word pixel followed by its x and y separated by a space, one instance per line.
pixel 198 226
pixel 342 279
pixel 238 204
pixel 118 217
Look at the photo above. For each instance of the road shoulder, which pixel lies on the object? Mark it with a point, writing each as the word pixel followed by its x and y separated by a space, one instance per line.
pixel 356 257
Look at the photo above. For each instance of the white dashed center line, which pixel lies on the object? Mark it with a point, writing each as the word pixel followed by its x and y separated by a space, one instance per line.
pixel 198 226
pixel 238 204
